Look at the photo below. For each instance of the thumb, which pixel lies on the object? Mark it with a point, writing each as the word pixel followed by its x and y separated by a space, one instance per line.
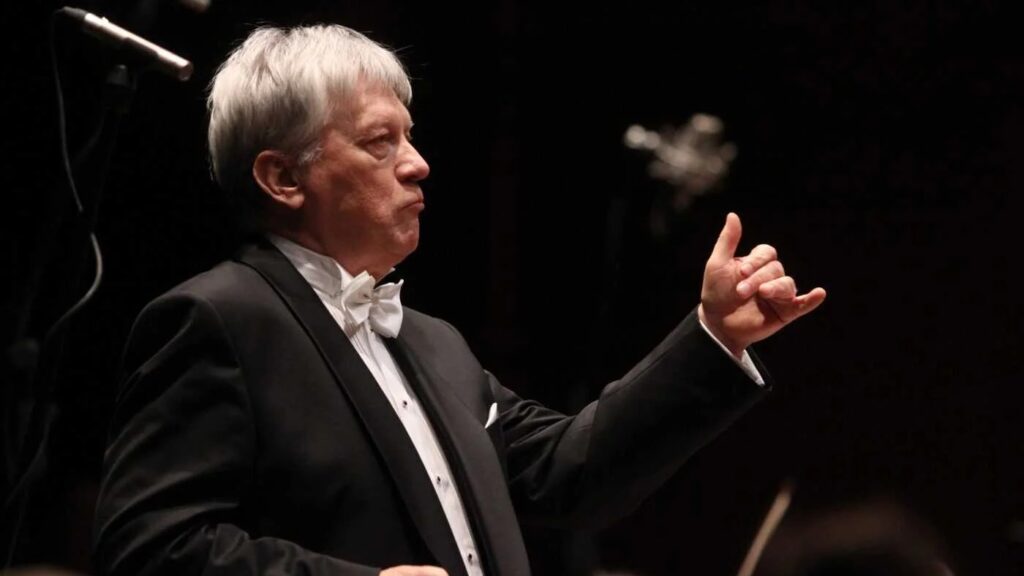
pixel 728 240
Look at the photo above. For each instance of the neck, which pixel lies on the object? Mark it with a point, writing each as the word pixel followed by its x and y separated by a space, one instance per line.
pixel 354 264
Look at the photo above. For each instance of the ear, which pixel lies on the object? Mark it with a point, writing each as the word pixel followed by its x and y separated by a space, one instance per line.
pixel 275 174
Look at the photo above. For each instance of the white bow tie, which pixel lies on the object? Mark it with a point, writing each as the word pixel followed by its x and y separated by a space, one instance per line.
pixel 360 301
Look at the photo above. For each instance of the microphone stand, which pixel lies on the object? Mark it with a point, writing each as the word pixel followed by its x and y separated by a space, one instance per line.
pixel 42 362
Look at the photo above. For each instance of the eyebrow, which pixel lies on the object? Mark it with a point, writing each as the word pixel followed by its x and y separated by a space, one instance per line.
pixel 381 123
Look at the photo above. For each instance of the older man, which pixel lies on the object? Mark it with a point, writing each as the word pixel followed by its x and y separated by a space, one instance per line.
pixel 284 414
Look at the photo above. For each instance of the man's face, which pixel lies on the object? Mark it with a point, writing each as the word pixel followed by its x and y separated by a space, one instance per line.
pixel 363 192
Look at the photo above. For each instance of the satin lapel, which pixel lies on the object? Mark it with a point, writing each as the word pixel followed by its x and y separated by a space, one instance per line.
pixel 355 380
pixel 470 453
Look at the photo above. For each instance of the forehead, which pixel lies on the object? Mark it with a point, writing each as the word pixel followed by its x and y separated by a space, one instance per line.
pixel 371 105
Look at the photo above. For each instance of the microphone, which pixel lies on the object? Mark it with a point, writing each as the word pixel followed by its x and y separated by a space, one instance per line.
pixel 163 60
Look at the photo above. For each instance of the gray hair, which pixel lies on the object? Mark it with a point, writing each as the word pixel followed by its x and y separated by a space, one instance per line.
pixel 278 90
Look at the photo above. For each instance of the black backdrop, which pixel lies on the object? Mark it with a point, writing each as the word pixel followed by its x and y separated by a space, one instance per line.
pixel 878 150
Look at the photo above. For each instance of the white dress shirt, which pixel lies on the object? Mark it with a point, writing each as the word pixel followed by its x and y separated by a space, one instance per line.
pixel 745 363
pixel 328 279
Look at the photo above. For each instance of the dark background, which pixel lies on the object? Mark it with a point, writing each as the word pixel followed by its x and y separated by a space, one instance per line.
pixel 878 151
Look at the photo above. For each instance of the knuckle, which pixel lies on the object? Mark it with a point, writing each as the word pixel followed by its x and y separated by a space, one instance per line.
pixel 767 251
pixel 770 271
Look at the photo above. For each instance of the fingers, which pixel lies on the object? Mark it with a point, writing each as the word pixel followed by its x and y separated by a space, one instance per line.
pixel 783 288
pixel 770 271
pixel 798 306
pixel 761 254
pixel 728 240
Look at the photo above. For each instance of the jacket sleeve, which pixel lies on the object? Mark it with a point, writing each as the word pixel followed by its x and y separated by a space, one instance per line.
pixel 592 468
pixel 180 460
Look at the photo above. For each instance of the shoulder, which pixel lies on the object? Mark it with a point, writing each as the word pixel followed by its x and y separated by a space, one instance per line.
pixel 214 301
pixel 436 338
pixel 200 296
pixel 229 289
pixel 227 283
pixel 430 326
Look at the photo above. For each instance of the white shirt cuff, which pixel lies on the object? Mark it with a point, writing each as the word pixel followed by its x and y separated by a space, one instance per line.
pixel 744 362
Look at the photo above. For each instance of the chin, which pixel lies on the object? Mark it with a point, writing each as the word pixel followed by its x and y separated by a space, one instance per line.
pixel 404 248
pixel 410 240
pixel 410 249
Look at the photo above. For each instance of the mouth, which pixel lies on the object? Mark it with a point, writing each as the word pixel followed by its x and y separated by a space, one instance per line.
pixel 417 204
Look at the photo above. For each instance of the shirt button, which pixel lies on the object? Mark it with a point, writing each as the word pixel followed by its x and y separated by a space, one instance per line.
pixel 405 403
pixel 470 557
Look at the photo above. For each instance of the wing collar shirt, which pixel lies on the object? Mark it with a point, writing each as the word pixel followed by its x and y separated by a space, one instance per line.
pixel 328 279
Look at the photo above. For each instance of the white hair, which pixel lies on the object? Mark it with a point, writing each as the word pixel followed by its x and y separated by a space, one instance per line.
pixel 278 90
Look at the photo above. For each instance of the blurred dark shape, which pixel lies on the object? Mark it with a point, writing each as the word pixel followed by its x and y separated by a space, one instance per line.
pixel 39 571
pixel 1015 532
pixel 872 539
pixel 199 6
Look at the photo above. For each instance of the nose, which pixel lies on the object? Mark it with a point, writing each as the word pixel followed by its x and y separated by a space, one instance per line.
pixel 411 166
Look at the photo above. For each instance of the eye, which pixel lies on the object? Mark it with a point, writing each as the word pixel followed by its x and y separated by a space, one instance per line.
pixel 381 145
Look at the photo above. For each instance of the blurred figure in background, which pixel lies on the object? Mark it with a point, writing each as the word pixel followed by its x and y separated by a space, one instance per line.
pixel 871 539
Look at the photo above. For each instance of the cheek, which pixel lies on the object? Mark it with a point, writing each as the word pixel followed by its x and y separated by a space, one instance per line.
pixel 363 195
pixel 370 205
pixel 377 199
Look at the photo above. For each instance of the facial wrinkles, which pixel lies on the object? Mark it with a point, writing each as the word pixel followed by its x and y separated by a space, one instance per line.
pixel 382 116
pixel 363 198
